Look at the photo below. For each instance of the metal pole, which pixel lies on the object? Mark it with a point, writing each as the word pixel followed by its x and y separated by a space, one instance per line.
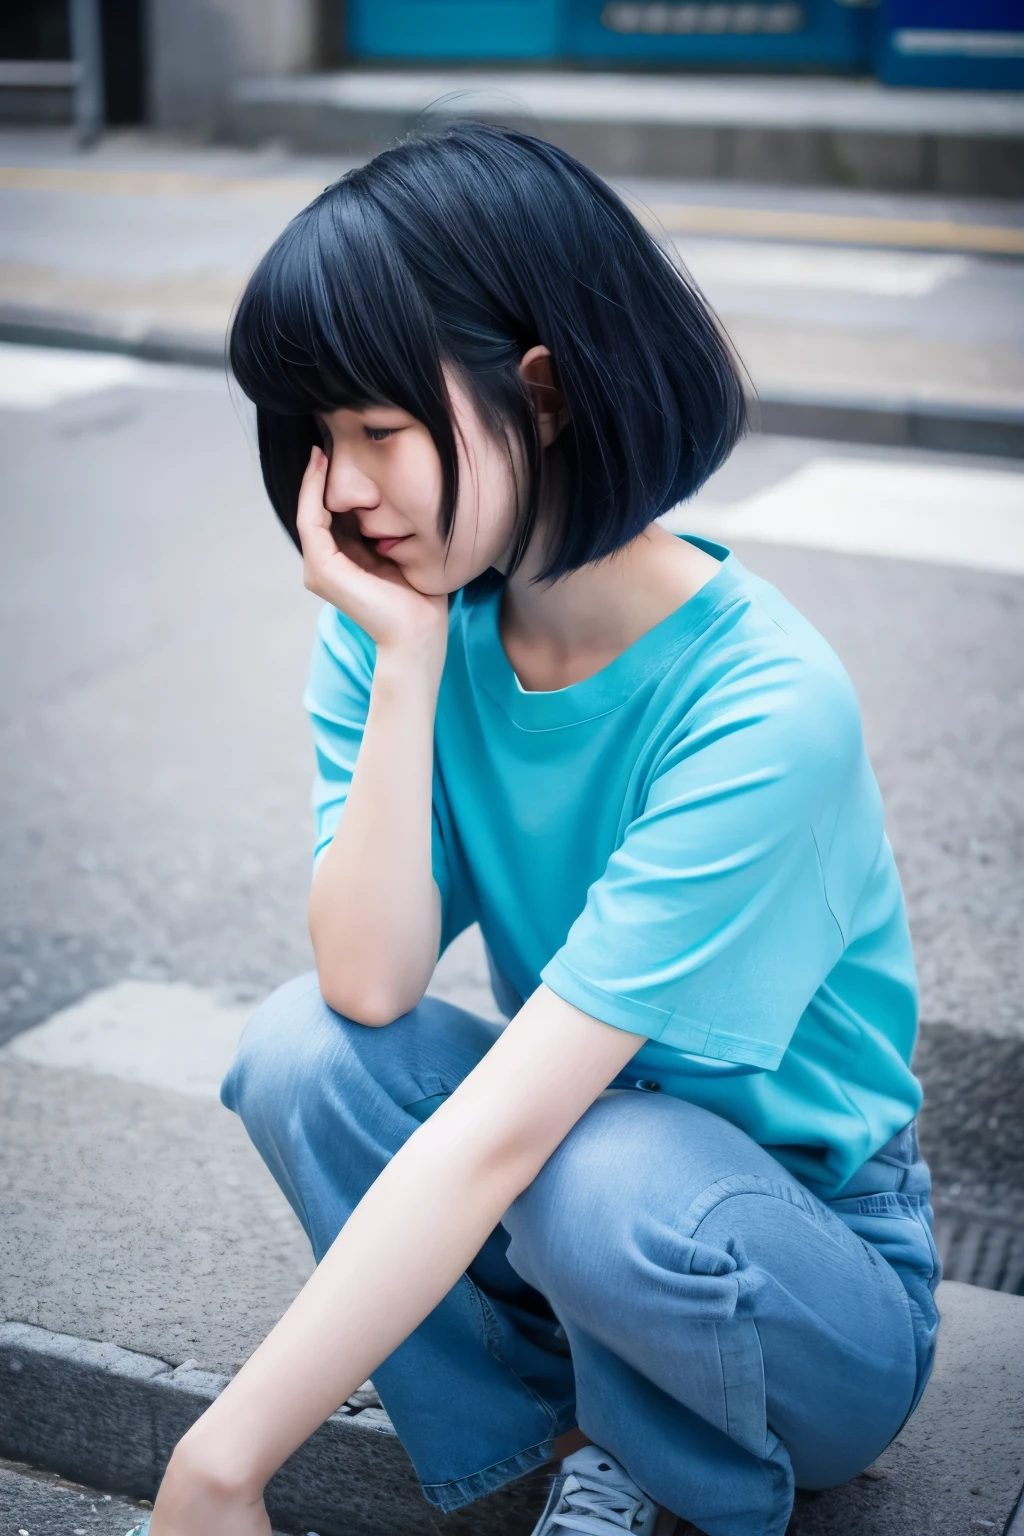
pixel 87 50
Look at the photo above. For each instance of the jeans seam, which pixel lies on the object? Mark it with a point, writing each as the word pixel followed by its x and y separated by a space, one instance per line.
pixel 915 1395
pixel 936 1274
pixel 747 1184
pixel 737 1392
pixel 492 1332
pixel 440 1092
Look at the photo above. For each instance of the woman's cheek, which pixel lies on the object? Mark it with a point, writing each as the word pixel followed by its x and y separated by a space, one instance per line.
pixel 417 485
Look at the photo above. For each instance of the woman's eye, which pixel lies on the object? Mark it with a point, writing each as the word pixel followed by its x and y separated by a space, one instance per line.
pixel 378 434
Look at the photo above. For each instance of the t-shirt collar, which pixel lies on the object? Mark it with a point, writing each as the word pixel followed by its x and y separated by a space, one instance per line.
pixel 615 683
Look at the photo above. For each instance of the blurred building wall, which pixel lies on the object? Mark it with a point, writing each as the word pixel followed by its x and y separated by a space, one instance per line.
pixel 197 47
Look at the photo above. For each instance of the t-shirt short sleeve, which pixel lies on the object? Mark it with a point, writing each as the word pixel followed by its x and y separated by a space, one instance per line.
pixel 337 699
pixel 710 928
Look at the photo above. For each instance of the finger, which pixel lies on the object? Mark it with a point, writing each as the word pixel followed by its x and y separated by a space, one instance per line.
pixel 311 506
pixel 312 518
pixel 326 551
pixel 311 511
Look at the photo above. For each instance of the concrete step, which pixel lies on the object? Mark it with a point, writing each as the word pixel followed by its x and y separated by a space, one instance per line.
pixel 144 1252
pixel 109 1416
pixel 793 131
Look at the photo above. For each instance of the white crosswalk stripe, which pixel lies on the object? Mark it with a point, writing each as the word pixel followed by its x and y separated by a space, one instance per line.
pixel 164 1034
pixel 937 513
pixel 37 378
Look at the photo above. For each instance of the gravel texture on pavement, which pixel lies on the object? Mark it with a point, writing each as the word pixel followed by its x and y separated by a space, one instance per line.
pixel 46 1504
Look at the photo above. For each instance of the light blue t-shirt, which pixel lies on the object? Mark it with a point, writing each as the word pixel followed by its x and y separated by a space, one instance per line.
pixel 688 845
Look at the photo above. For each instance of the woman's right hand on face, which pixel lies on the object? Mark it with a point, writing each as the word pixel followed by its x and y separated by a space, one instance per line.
pixel 339 566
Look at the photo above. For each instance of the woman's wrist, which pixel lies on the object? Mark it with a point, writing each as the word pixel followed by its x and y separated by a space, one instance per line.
pixel 209 1465
pixel 417 659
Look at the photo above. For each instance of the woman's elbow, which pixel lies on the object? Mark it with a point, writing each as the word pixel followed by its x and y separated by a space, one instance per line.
pixel 370 1005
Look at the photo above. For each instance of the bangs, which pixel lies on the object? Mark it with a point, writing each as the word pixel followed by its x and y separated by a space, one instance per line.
pixel 332 319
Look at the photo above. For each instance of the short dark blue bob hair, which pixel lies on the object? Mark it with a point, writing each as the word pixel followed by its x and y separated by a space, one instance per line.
pixel 462 247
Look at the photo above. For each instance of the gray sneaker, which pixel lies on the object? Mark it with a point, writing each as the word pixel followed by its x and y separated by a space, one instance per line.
pixel 592 1493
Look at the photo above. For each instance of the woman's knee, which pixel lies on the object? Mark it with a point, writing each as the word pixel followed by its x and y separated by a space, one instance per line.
pixel 283 1051
pixel 617 1207
pixel 574 1224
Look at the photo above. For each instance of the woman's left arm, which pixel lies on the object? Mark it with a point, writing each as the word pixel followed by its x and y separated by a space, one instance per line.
pixel 405 1245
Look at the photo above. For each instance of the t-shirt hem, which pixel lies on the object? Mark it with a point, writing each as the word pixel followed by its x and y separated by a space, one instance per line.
pixel 660 1024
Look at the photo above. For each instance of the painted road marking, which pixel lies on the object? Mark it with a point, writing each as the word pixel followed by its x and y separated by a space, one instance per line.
pixel 164 1034
pixel 36 378
pixel 720 264
pixel 836 228
pixel 938 514
pixel 94 183
pixel 675 218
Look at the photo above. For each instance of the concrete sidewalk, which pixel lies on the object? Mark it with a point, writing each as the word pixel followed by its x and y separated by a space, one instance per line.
pixel 137 250
pixel 754 129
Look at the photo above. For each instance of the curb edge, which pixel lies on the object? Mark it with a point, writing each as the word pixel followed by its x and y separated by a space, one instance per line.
pixel 953 427
pixel 110 1417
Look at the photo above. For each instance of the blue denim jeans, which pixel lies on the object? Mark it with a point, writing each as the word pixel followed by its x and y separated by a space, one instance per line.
pixel 664 1282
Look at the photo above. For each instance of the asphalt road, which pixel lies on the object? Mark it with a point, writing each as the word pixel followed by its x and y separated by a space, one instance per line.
pixel 155 765
pixel 46 1504
pixel 153 801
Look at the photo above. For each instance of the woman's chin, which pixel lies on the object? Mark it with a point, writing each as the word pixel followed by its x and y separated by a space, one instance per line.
pixel 438 583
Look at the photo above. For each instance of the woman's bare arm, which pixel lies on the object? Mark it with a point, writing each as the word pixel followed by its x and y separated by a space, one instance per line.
pixel 405 1245
pixel 374 909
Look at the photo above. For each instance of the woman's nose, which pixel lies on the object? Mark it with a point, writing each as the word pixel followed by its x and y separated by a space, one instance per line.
pixel 347 488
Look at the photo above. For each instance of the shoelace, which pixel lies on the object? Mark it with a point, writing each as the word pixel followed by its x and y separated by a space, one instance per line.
pixel 594 1507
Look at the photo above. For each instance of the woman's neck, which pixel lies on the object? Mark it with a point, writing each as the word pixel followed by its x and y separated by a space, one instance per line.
pixel 558 633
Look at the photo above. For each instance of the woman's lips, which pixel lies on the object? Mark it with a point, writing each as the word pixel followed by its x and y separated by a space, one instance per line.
pixel 385 546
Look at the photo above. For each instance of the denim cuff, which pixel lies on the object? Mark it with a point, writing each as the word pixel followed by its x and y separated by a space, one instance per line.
pixel 451 1496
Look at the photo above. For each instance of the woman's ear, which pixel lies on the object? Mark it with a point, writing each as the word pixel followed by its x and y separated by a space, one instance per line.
pixel 537 372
